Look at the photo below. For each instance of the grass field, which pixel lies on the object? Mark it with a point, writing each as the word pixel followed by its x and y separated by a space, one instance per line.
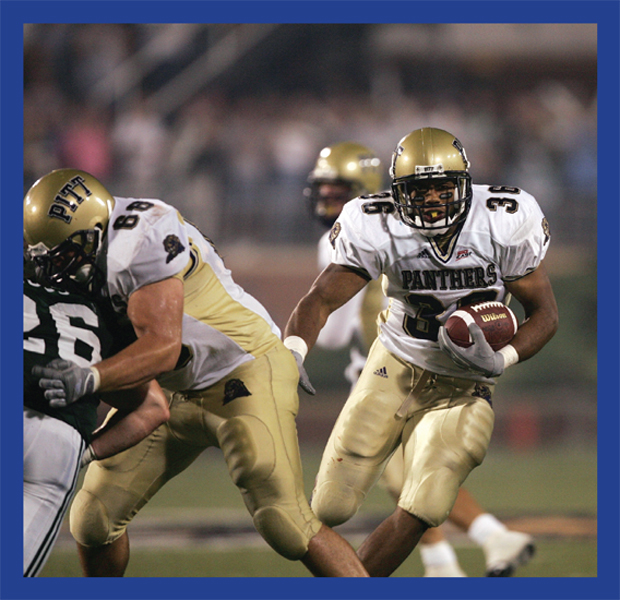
pixel 197 525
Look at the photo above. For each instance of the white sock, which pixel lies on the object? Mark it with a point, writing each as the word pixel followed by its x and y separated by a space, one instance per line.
pixel 484 526
pixel 438 554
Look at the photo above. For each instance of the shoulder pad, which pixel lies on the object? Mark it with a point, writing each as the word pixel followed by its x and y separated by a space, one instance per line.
pixel 378 206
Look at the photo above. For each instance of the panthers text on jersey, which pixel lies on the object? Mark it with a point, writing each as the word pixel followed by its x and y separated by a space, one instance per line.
pixel 59 324
pixel 504 237
pixel 223 326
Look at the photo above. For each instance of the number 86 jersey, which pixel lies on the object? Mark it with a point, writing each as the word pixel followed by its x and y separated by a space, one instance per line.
pixel 505 236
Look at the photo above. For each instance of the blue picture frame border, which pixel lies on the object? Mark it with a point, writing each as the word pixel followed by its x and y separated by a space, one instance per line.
pixel 13 16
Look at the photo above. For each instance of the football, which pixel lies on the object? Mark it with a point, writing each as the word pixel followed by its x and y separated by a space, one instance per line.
pixel 498 323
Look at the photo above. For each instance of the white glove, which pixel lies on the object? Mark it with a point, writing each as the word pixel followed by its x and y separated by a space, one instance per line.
pixel 64 382
pixel 479 357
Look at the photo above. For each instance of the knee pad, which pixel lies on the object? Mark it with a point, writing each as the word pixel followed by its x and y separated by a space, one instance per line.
pixel 281 532
pixel 248 448
pixel 435 497
pixel 89 521
pixel 334 502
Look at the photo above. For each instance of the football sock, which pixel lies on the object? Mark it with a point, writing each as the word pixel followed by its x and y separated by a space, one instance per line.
pixel 438 554
pixel 482 527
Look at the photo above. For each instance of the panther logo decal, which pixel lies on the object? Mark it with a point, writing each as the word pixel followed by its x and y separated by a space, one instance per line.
pixel 482 391
pixel 173 247
pixel 235 388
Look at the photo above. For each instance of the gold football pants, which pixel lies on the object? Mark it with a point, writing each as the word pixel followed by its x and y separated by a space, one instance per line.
pixel 250 415
pixel 443 423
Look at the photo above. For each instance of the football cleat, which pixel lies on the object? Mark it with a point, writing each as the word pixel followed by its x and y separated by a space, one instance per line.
pixel 505 551
pixel 449 570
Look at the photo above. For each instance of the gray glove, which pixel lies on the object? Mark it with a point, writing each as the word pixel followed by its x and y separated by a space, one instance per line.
pixel 304 380
pixel 64 382
pixel 479 357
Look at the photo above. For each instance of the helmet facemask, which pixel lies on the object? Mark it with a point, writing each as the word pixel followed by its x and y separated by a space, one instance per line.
pixel 352 168
pixel 433 203
pixel 327 208
pixel 70 264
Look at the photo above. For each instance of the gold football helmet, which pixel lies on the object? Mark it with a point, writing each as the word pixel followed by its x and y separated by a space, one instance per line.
pixel 66 215
pixel 349 166
pixel 430 181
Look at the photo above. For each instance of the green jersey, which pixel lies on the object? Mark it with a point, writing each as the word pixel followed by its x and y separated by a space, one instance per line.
pixel 60 324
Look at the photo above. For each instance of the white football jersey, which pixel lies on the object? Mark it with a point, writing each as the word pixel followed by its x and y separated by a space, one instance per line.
pixel 223 326
pixel 346 325
pixel 504 237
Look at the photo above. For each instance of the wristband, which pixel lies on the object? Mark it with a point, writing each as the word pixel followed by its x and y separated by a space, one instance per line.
pixel 510 356
pixel 294 342
pixel 97 377
pixel 88 456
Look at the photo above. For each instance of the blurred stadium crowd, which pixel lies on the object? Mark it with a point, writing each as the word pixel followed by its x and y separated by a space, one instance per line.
pixel 225 121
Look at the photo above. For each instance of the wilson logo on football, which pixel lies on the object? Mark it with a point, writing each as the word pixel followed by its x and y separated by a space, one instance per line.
pixel 493 317
pixel 498 323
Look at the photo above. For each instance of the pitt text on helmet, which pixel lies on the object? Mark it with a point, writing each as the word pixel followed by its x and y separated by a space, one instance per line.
pixel 69 197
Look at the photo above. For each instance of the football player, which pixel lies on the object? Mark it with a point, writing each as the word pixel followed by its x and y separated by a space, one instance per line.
pixel 342 172
pixel 439 242
pixel 215 350
pixel 61 326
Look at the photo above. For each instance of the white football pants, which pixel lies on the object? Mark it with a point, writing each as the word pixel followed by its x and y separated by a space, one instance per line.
pixel 52 453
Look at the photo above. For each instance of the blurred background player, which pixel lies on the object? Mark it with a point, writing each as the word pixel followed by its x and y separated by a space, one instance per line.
pixel 342 172
pixel 63 325
pixel 229 380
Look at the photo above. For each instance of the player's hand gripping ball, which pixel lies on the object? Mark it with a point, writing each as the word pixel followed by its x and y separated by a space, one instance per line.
pixel 498 323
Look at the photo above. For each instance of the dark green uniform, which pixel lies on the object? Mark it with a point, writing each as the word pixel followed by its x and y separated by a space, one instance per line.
pixel 60 324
